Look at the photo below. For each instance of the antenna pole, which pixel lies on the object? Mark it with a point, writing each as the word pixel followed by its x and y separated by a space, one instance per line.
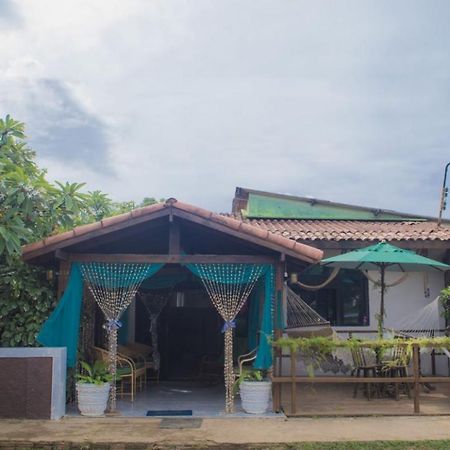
pixel 444 194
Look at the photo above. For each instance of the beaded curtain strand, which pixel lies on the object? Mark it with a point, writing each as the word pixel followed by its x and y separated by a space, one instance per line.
pixel 113 286
pixel 154 303
pixel 228 287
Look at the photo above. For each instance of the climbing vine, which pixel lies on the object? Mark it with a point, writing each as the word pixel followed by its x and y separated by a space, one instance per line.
pixel 315 350
pixel 445 301
pixel 325 345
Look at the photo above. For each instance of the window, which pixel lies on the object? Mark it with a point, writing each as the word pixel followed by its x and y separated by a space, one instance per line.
pixel 344 302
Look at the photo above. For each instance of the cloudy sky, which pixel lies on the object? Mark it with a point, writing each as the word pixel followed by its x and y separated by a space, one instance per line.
pixel 342 100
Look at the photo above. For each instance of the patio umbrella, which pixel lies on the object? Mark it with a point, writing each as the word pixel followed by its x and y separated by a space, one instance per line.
pixel 384 257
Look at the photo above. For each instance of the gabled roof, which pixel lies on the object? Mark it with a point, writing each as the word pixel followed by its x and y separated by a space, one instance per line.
pixel 227 225
pixel 312 220
pixel 254 204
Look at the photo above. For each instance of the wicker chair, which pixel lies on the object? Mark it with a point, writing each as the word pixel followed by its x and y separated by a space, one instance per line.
pixel 146 352
pixel 243 360
pixel 141 362
pixel 126 371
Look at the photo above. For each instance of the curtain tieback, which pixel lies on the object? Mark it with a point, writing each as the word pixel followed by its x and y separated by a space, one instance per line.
pixel 228 325
pixel 113 324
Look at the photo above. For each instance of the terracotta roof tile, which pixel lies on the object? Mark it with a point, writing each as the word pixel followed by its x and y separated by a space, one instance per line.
pixel 250 229
pixel 351 230
pixel 83 229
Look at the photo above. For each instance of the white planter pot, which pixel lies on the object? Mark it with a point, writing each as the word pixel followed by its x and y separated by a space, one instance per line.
pixel 255 396
pixel 92 398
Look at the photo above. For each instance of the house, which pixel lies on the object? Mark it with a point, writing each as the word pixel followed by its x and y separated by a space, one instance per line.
pixel 195 250
pixel 277 237
pixel 351 301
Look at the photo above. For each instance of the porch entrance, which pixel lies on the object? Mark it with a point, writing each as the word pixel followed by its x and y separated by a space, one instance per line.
pixel 109 262
pixel 188 329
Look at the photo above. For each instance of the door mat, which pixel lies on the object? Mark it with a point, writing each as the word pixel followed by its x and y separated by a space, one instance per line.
pixel 180 423
pixel 170 412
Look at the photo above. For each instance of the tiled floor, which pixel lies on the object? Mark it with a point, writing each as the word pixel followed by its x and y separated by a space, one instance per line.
pixel 203 400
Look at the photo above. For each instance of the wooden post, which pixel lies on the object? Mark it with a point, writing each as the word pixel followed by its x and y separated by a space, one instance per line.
pixel 278 332
pixel 63 276
pixel 276 399
pixel 174 238
pixel 416 374
pixel 293 383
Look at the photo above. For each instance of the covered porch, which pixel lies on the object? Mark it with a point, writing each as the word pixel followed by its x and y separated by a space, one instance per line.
pixel 189 245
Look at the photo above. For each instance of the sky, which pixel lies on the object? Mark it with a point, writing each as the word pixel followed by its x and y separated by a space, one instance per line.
pixel 344 100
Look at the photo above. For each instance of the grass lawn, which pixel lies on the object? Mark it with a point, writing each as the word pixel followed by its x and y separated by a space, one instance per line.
pixel 376 445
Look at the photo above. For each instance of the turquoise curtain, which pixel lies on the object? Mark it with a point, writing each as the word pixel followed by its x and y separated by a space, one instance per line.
pixel 239 271
pixel 164 281
pixel 62 327
pixel 117 275
pixel 253 316
pixel 264 354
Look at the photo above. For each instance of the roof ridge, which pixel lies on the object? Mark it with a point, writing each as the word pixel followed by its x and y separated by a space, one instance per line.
pixel 306 251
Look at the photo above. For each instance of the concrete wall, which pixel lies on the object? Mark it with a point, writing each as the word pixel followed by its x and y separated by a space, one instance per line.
pixel 33 383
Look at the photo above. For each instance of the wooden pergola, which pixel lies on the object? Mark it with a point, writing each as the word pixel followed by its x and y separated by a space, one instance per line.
pixel 172 233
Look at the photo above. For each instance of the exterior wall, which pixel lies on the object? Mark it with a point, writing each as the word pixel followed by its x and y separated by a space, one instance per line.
pixel 33 382
pixel 403 299
pixel 413 294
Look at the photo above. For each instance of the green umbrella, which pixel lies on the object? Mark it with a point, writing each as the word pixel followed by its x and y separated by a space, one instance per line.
pixel 384 257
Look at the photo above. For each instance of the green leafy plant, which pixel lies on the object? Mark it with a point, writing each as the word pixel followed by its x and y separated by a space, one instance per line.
pixel 98 373
pixel 32 208
pixel 445 302
pixel 249 375
pixel 319 346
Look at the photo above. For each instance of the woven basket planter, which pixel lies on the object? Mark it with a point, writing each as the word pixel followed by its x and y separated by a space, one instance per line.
pixel 255 396
pixel 92 398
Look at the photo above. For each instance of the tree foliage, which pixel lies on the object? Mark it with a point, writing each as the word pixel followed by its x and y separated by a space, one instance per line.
pixel 32 208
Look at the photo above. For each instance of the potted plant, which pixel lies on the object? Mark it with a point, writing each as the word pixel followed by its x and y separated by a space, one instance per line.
pixel 255 389
pixel 94 383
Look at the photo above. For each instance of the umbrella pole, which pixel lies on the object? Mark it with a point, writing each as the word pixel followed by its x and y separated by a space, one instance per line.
pixel 383 288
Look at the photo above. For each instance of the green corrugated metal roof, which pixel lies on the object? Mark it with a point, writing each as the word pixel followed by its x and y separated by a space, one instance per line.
pixel 284 207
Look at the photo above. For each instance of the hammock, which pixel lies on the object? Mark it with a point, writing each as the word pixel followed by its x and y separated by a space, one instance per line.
pixel 302 320
pixel 422 323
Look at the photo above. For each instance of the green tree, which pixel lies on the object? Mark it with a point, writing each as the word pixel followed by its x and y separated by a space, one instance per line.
pixel 32 208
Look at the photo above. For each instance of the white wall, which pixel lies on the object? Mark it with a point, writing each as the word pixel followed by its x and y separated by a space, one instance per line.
pixel 417 291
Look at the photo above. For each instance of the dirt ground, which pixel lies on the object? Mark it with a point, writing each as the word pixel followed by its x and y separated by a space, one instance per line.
pixel 218 433
pixel 337 400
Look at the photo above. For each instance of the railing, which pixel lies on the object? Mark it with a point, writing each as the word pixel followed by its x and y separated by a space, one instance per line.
pixel 292 379
pixel 433 333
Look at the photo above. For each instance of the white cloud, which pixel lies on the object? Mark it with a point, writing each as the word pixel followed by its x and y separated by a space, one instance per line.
pixel 190 99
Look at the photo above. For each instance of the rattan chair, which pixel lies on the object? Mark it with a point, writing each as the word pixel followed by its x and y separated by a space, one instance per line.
pixel 244 360
pixel 141 362
pixel 126 371
pixel 146 352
